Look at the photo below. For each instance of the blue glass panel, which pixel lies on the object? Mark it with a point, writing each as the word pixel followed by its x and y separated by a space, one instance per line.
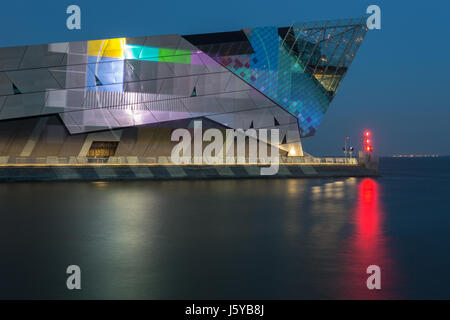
pixel 277 73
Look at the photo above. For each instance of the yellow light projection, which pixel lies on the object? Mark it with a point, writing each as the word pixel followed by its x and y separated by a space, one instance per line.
pixel 111 48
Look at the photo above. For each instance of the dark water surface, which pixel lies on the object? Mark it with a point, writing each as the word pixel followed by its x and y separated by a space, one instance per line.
pixel 268 239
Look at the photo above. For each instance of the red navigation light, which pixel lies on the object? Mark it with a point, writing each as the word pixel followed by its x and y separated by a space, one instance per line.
pixel 367 141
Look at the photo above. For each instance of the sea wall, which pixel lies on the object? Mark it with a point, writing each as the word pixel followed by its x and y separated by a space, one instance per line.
pixel 103 172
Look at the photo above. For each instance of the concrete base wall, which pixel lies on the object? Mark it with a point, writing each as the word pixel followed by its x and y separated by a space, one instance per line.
pixel 48 137
pixel 170 172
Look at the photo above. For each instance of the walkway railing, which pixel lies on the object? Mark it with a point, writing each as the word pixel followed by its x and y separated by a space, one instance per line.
pixel 8 160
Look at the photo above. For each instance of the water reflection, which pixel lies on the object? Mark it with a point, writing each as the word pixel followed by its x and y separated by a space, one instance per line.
pixel 230 239
pixel 367 246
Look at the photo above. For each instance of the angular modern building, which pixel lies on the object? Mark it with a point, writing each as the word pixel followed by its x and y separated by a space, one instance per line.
pixel 124 96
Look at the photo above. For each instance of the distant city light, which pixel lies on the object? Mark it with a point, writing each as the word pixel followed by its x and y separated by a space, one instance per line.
pixel 416 156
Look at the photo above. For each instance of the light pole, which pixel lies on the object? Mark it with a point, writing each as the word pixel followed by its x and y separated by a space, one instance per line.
pixel 347 147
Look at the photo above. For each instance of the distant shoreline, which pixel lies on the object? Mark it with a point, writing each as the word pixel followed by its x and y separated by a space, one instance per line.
pixel 412 156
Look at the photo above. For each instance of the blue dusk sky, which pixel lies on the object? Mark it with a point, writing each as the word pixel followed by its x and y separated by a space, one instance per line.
pixel 398 85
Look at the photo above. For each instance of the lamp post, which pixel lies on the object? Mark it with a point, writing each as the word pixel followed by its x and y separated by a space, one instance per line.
pixel 348 150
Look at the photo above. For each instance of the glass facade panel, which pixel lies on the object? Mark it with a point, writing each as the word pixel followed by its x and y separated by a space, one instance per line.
pixel 265 76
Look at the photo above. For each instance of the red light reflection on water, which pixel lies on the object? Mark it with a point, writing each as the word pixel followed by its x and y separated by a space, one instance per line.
pixel 367 217
pixel 367 246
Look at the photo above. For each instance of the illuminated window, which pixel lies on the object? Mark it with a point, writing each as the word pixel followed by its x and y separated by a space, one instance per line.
pixel 102 149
